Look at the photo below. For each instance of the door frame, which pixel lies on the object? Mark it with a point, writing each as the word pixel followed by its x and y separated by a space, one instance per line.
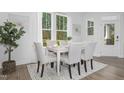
pixel 110 50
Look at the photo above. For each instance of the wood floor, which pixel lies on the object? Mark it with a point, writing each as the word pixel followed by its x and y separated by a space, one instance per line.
pixel 20 74
pixel 114 71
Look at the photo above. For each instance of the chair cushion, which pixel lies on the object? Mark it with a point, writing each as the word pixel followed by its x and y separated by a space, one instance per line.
pixel 64 58
pixel 84 57
pixel 51 57
pixel 51 54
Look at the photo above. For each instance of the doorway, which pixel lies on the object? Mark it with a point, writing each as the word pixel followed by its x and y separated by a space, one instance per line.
pixel 110 38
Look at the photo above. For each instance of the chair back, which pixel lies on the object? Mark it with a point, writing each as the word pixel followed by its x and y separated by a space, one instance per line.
pixel 40 52
pixel 51 43
pixel 63 43
pixel 89 50
pixel 74 53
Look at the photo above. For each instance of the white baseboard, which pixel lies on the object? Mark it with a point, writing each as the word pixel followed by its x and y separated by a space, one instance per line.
pixel 121 56
pixel 97 55
pixel 25 61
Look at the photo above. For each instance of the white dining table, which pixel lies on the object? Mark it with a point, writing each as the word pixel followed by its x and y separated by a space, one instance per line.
pixel 58 50
pixel 61 49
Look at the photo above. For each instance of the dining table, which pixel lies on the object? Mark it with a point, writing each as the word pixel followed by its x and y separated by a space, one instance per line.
pixel 62 49
pixel 58 50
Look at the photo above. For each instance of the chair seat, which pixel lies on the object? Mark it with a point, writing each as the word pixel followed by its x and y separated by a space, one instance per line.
pixel 51 54
pixel 64 58
pixel 51 58
pixel 83 56
pixel 73 57
pixel 44 57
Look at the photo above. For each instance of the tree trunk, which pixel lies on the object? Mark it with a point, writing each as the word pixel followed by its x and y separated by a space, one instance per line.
pixel 9 54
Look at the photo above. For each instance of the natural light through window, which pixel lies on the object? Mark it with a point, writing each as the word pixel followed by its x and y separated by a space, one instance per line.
pixel 46 27
pixel 61 27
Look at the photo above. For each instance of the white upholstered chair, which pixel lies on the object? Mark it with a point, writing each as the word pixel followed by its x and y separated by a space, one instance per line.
pixel 43 57
pixel 73 57
pixel 51 43
pixel 63 43
pixel 87 54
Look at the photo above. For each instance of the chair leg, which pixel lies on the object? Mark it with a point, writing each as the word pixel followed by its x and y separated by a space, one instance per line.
pixel 82 61
pixel 70 71
pixel 56 68
pixel 60 68
pixel 73 65
pixel 91 63
pixel 52 65
pixel 79 68
pixel 85 66
pixel 42 70
pixel 38 66
pixel 61 63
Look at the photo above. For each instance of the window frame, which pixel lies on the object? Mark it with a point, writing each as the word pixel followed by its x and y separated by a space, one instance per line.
pixel 63 15
pixel 90 26
pixel 45 29
pixel 42 21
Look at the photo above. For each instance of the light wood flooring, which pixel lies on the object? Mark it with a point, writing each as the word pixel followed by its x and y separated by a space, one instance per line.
pixel 20 74
pixel 114 71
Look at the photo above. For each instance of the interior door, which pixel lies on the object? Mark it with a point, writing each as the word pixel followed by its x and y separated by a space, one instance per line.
pixel 110 38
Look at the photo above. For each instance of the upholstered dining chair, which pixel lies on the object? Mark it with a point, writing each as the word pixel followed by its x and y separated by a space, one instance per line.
pixel 43 57
pixel 87 54
pixel 63 43
pixel 51 43
pixel 73 57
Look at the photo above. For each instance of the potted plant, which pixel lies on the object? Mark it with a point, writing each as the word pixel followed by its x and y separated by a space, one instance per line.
pixel 69 38
pixel 9 34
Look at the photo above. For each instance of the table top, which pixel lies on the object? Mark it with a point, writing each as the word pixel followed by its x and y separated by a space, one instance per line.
pixel 63 48
pixel 58 49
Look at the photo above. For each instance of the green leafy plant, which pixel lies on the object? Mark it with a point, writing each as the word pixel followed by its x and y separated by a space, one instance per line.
pixel 69 38
pixel 9 34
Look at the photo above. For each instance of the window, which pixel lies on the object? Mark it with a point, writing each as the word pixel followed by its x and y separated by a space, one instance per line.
pixel 90 27
pixel 109 34
pixel 59 24
pixel 61 27
pixel 46 27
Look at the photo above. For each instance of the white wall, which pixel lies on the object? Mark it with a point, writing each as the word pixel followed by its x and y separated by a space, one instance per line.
pixel 25 53
pixel 31 21
pixel 99 19
pixel 96 36
pixel 122 35
pixel 73 18
pixel 76 18
pixel 3 17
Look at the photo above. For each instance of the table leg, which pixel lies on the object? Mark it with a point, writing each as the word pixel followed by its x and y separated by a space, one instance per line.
pixel 58 62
